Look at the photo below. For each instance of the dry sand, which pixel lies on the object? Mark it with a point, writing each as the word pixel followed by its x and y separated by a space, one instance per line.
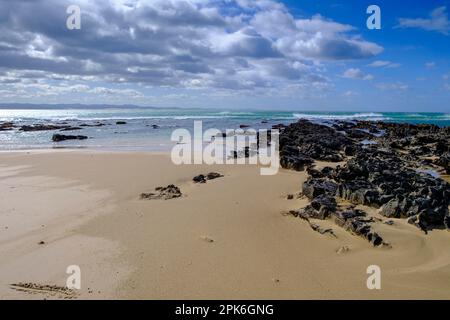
pixel 226 239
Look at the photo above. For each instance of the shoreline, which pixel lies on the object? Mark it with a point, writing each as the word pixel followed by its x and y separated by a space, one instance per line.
pixel 226 239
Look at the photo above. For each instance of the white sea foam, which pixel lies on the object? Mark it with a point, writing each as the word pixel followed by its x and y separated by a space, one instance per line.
pixel 319 116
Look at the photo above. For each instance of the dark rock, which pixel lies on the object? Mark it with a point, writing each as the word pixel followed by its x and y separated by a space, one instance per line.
pixel 213 175
pixel 62 137
pixel 359 192
pixel 121 122
pixel 320 208
pixel 199 179
pixel 444 161
pixel 313 188
pixel 41 127
pixel 6 126
pixel 350 150
pixel 314 172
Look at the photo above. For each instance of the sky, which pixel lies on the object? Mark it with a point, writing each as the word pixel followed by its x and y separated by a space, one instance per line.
pixel 228 54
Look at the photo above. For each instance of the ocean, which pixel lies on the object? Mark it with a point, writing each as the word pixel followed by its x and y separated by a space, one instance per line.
pixel 138 134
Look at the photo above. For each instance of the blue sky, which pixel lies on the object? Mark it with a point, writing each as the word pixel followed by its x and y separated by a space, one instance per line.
pixel 244 54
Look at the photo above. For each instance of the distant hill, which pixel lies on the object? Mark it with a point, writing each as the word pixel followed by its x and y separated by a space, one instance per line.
pixel 71 106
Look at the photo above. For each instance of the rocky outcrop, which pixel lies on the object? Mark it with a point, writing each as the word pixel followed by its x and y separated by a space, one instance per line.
pixel 303 142
pixel 384 174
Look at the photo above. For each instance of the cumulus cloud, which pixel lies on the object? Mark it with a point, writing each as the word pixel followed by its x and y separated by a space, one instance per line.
pixel 437 21
pixel 355 73
pixel 209 44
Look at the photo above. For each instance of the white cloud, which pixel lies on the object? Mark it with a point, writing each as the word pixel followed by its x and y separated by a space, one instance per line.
pixel 384 64
pixel 430 64
pixel 181 44
pixel 355 73
pixel 437 21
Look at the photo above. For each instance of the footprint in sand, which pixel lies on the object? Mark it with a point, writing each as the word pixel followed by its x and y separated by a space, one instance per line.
pixel 207 239
pixel 49 290
pixel 343 250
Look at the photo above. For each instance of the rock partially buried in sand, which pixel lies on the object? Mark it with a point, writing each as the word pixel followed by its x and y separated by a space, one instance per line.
pixel 201 178
pixel 323 231
pixel 163 193
pixel 62 137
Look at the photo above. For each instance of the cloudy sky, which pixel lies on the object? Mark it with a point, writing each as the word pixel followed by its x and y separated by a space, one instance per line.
pixel 292 54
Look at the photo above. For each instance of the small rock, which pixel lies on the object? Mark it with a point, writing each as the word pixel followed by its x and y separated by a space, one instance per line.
pixel 199 179
pixel 62 137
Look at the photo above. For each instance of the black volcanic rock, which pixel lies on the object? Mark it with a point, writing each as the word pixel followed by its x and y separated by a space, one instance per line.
pixel 304 141
pixel 62 137
pixel 389 174
pixel 313 188
pixel 42 127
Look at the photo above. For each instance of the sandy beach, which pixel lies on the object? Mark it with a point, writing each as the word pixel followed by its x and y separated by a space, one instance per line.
pixel 226 239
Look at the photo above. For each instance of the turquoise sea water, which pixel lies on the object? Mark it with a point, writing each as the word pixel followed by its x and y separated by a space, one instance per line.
pixel 138 133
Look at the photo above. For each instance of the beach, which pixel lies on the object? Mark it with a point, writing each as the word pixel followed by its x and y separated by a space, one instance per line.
pixel 229 238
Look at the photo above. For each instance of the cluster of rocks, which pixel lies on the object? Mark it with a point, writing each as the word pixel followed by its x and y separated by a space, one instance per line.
pixel 6 126
pixel 303 142
pixel 381 179
pixel 323 205
pixel 163 193
pixel 201 178
pixel 381 174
